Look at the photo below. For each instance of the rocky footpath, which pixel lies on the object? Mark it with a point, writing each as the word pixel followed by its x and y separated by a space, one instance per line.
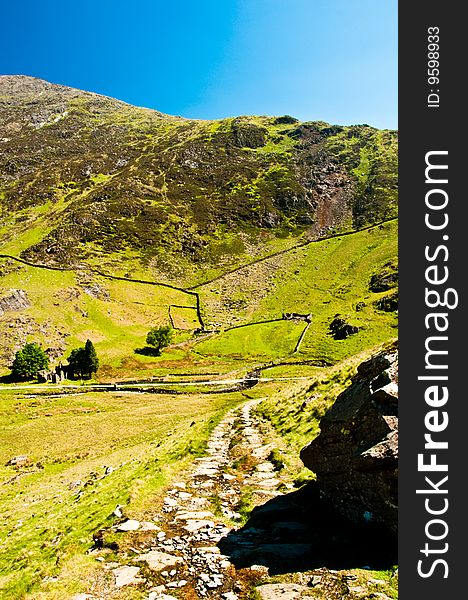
pixel 198 545
pixel 178 552
pixel 355 457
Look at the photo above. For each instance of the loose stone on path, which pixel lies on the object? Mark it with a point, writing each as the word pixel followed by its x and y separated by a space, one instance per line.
pixel 126 576
pixel 130 525
pixel 157 561
pixel 183 547
pixel 280 591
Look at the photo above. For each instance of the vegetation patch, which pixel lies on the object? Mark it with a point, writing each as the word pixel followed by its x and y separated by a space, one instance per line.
pixel 86 454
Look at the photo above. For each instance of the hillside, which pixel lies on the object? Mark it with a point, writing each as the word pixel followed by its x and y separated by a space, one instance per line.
pixel 270 246
pixel 221 221
pixel 84 177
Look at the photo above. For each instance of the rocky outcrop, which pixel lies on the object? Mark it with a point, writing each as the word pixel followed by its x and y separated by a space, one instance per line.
pixel 355 456
pixel 386 279
pixel 340 329
pixel 248 135
pixel 13 300
pixel 388 303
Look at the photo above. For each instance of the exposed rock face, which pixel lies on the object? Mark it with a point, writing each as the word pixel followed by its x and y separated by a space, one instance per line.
pixel 13 300
pixel 355 456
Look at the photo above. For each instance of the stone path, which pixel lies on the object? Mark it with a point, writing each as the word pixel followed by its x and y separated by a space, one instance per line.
pixel 182 552
pixel 197 546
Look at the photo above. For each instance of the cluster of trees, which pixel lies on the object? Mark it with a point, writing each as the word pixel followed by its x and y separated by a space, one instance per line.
pixel 31 359
pixel 82 362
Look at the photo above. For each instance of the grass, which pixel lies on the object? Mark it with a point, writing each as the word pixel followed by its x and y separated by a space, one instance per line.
pixel 258 342
pixel 245 504
pixel 157 217
pixel 51 508
pixel 325 278
pixel 167 188
pixel 295 410
pixel 184 317
pixel 65 313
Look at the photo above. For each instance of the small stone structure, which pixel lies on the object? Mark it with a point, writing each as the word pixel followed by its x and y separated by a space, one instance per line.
pixel 287 316
pixel 56 375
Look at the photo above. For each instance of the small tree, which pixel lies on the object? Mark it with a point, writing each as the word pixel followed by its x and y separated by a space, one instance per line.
pixel 160 337
pixel 28 361
pixel 84 361
pixel 76 361
pixel 91 358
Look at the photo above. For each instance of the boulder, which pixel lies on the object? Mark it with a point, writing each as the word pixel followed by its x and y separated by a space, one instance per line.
pixel 355 456
pixel 340 329
pixel 129 525
pixel 388 303
pixel 19 461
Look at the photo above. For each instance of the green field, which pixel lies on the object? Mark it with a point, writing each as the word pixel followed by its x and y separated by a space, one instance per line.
pixel 324 278
pixel 51 506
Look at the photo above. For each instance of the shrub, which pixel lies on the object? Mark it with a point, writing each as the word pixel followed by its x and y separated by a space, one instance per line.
pixel 159 337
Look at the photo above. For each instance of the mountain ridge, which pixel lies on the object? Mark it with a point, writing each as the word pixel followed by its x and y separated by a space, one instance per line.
pixel 92 175
pixel 27 85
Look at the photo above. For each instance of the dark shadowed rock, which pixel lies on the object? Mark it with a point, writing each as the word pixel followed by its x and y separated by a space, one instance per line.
pixel 286 120
pixel 340 329
pixel 355 457
pixel 388 303
pixel 385 279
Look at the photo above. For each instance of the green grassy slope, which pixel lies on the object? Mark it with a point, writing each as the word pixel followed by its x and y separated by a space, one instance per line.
pixel 324 278
pixel 229 224
pixel 51 506
pixel 69 307
pixel 96 186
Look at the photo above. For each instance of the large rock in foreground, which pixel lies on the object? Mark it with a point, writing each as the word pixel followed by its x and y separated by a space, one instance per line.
pixel 355 457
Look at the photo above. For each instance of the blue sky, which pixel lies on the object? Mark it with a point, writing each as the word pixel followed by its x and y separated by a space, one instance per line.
pixel 333 60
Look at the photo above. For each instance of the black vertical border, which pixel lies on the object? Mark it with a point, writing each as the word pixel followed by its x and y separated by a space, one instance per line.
pixel 424 129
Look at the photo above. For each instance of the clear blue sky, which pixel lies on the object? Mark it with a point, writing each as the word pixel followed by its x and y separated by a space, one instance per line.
pixel 333 60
